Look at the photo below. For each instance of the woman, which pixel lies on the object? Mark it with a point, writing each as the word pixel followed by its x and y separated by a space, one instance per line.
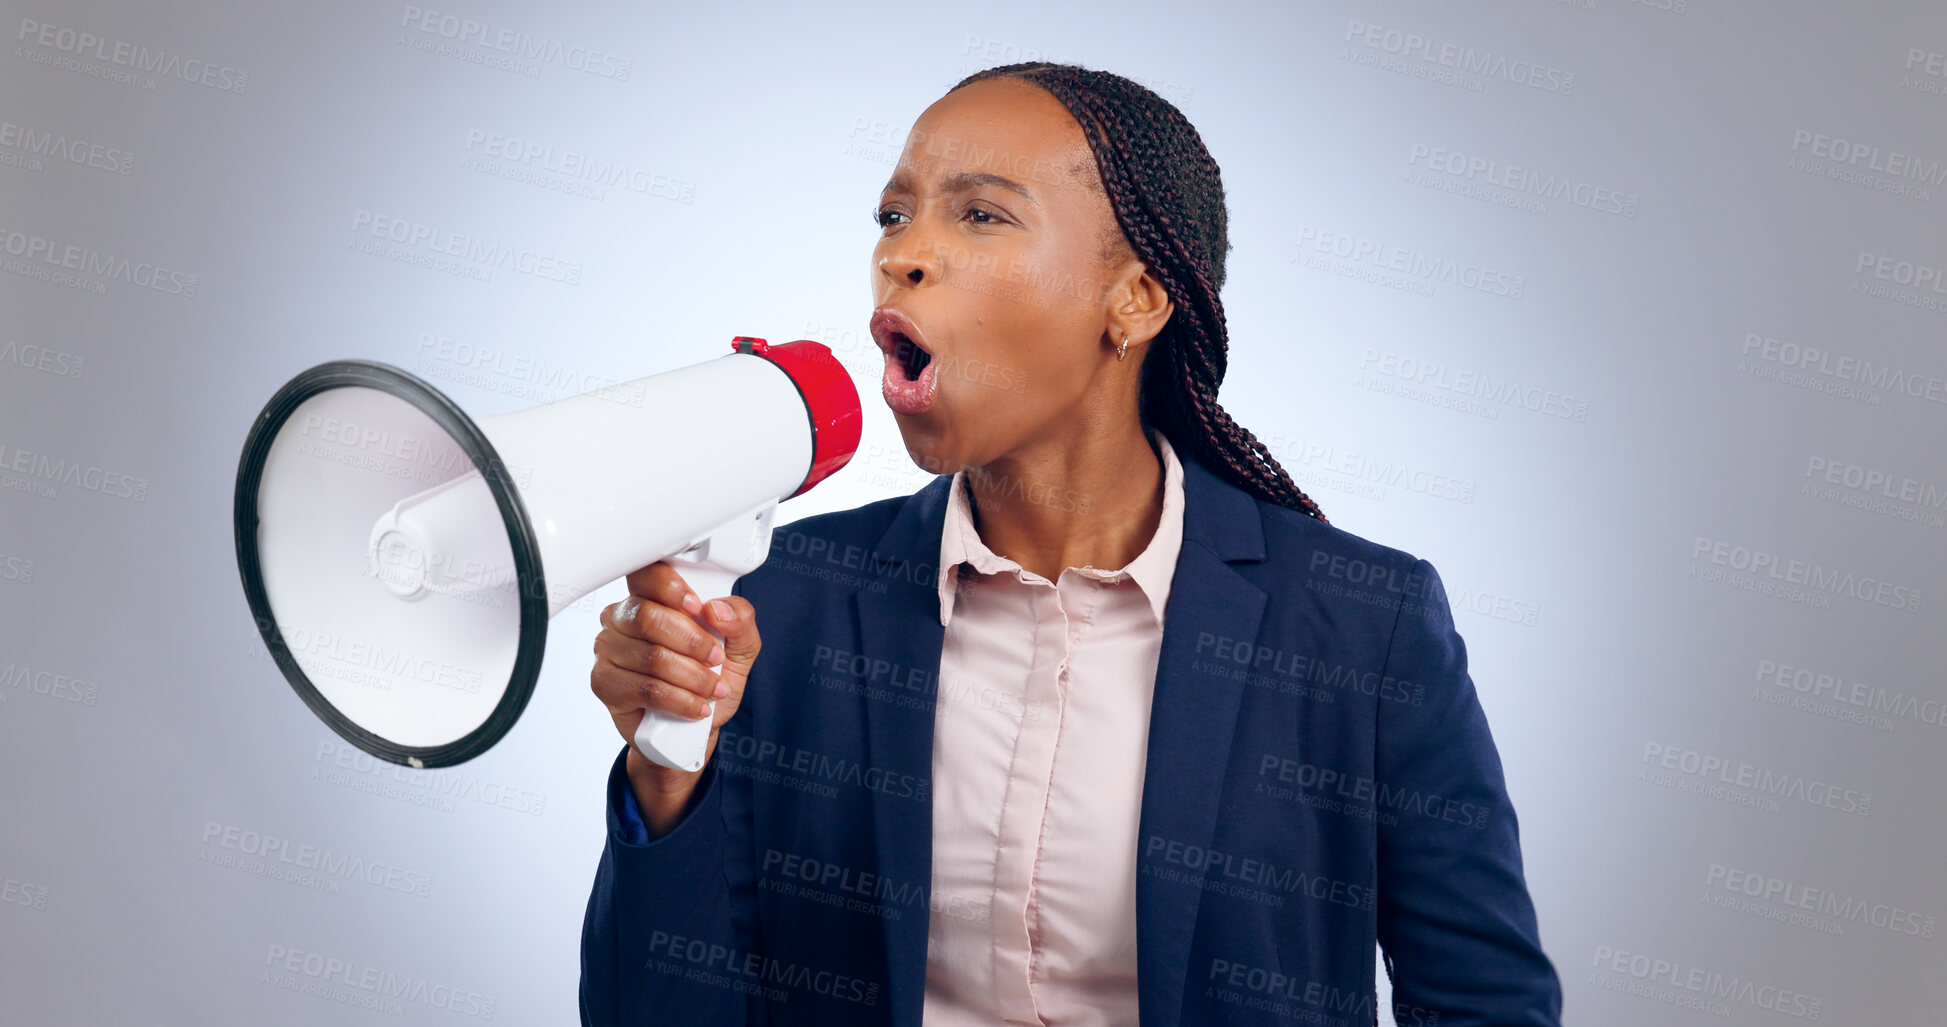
pixel 1196 788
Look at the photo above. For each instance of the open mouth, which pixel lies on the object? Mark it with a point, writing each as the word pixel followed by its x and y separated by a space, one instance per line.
pixel 911 358
pixel 911 380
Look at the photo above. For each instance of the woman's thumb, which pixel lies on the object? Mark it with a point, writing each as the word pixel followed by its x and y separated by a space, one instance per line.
pixel 737 620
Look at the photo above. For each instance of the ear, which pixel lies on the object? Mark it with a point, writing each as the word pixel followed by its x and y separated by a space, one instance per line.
pixel 1139 306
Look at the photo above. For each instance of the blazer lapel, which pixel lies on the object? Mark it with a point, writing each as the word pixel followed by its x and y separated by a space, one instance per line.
pixel 1191 719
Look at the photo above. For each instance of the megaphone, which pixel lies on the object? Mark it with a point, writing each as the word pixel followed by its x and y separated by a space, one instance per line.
pixel 402 559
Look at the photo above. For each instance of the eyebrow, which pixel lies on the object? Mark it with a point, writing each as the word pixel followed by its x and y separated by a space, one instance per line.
pixel 964 181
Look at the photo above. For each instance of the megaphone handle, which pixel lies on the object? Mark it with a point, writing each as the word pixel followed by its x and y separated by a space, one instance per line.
pixel 667 739
pixel 728 554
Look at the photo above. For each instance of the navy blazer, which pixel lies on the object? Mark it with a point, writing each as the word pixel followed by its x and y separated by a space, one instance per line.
pixel 1320 778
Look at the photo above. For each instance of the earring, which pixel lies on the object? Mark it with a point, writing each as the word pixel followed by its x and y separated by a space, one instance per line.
pixel 1122 351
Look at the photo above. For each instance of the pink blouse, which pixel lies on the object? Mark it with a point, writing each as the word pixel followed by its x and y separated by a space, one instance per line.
pixel 1040 738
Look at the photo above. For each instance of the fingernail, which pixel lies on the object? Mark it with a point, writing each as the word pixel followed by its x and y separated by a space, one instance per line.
pixel 625 611
pixel 722 690
pixel 692 604
pixel 720 608
pixel 716 655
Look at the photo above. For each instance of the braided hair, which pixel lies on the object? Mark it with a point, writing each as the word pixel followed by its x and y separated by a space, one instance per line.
pixel 1169 201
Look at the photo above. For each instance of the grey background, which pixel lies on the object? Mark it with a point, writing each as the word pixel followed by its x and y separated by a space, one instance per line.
pixel 145 737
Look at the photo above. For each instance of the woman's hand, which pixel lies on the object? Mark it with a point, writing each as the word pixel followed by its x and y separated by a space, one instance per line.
pixel 652 654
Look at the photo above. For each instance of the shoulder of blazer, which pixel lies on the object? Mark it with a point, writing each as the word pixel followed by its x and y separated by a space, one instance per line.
pixel 1294 536
pixel 1240 527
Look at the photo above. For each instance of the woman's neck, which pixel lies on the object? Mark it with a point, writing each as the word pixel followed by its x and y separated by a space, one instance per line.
pixel 1086 500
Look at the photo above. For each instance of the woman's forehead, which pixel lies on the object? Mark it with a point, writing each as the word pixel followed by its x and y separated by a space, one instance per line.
pixel 998 127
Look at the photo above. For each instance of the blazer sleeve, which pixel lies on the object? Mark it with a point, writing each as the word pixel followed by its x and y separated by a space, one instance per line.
pixel 666 938
pixel 1455 921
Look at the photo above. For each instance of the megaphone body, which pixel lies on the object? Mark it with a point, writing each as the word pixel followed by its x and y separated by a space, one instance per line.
pixel 402 558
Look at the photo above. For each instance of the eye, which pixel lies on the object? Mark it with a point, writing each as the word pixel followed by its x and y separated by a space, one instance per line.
pixel 977 213
pixel 883 218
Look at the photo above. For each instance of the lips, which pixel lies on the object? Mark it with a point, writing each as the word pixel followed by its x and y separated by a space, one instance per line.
pixel 911 377
pixel 899 338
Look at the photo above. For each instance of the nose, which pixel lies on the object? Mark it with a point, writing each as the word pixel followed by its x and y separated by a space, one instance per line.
pixel 909 258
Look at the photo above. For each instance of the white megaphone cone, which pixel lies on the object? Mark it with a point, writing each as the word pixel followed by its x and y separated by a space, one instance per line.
pixel 402 558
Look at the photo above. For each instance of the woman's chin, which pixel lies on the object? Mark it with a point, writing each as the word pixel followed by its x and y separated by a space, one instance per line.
pixel 925 425
pixel 926 445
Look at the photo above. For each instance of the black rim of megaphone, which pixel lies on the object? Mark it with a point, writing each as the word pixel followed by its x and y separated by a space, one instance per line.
pixel 520 535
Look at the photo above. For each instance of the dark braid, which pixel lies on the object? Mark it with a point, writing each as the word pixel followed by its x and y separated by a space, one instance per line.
pixel 1168 199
